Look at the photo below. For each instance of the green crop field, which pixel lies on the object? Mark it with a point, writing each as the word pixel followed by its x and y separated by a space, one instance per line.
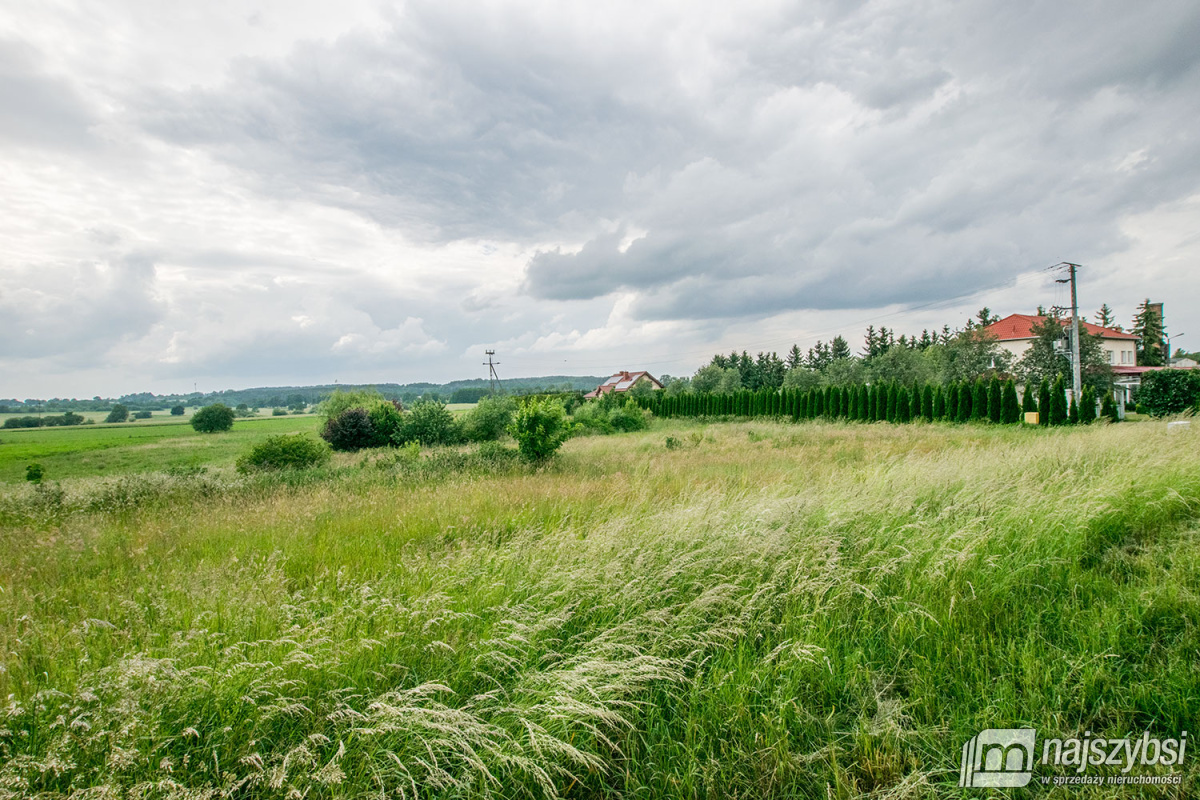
pixel 760 609
pixel 158 443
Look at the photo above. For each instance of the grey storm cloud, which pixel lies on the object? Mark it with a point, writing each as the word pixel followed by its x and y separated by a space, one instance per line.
pixel 397 187
pixel 826 145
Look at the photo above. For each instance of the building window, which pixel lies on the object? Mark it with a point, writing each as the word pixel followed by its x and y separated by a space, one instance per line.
pixel 1111 358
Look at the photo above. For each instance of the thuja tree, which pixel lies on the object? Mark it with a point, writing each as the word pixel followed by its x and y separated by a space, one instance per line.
pixel 1073 413
pixel 1010 408
pixel 1087 406
pixel 1029 399
pixel 1044 404
pixel 1109 408
pixel 903 408
pixel 979 400
pixel 1058 402
pixel 939 402
pixel 995 401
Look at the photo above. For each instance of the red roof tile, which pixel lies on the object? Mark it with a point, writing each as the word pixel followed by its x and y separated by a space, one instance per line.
pixel 1020 326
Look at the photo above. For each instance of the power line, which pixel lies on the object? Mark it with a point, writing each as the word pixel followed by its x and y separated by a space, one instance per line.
pixel 493 378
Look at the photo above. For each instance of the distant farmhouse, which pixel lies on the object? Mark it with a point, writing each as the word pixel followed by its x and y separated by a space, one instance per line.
pixel 623 382
pixel 1015 334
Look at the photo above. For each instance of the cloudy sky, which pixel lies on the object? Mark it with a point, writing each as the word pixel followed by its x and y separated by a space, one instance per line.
pixel 229 194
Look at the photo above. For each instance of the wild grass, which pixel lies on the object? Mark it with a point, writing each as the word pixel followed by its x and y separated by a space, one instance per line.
pixel 760 610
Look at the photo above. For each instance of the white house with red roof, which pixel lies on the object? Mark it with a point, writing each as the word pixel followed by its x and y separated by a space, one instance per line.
pixel 1015 334
pixel 623 382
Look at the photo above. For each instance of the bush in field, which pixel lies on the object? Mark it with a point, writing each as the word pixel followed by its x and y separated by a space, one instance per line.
pixel 119 413
pixel 540 427
pixel 430 423
pixel 1168 391
pixel 341 400
pixel 284 452
pixel 177 411
pixel 142 415
pixel 350 430
pixel 388 420
pixel 213 418
pixel 278 412
pixel 34 473
pixel 489 419
pixel 1108 409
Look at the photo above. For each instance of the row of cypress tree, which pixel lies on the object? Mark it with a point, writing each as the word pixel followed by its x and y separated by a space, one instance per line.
pixel 983 400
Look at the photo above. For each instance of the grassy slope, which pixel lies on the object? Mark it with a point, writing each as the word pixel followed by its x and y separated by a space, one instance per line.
pixel 142 446
pixel 814 611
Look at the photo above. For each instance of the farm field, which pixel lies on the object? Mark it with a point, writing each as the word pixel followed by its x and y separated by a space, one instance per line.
pixel 143 446
pixel 759 609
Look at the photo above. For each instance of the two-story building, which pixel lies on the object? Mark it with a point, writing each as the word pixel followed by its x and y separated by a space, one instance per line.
pixel 1015 334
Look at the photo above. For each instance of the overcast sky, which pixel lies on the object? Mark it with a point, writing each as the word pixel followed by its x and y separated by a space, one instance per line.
pixel 230 194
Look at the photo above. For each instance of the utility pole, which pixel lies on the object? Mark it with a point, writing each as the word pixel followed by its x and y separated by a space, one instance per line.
pixel 493 378
pixel 1076 367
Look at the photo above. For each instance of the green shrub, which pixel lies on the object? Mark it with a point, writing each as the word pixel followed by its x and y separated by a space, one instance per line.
pixel 430 423
pixel 540 427
pixel 34 473
pixel 177 411
pixel 1168 391
pixel 119 413
pixel 142 415
pixel 290 451
pixel 278 412
pixel 388 420
pixel 213 418
pixel 489 419
pixel 341 400
pixel 350 430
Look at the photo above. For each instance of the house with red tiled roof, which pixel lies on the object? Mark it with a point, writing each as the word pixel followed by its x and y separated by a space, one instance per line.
pixel 624 381
pixel 1015 334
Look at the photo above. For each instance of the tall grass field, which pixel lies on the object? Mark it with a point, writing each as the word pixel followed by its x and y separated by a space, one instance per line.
pixel 733 610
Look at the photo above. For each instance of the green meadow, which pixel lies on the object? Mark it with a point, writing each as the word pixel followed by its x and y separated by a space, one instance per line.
pixel 159 443
pixel 759 609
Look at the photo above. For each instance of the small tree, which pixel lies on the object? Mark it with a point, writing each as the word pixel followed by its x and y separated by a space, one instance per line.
pixel 979 400
pixel 213 418
pixel 995 400
pixel 1087 406
pixel 903 409
pixel 1073 413
pixel 1010 408
pixel 1044 404
pixel 177 411
pixel 1058 402
pixel 540 427
pixel 34 473
pixel 1109 408
pixel 431 423
pixel 1029 399
pixel 119 413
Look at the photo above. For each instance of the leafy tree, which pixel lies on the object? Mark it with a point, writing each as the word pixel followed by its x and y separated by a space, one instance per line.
pixel 1048 356
pixel 490 418
pixel 714 379
pixel 1010 408
pixel 289 451
pixel 213 418
pixel 142 415
pixel 349 430
pixel 119 413
pixel 540 427
pixel 844 372
pixel 177 411
pixel 973 353
pixel 431 423
pixel 1148 327
pixel 1169 391
pixel 387 420
pixel 342 399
